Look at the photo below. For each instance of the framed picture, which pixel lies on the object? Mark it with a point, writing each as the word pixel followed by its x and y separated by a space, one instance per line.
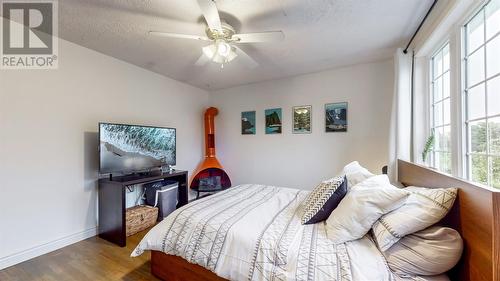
pixel 336 117
pixel 273 121
pixel 248 123
pixel 302 119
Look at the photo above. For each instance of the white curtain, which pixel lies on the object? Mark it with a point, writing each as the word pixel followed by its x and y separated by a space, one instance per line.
pixel 401 119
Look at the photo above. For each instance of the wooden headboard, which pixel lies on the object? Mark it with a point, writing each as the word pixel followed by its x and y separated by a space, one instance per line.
pixel 476 215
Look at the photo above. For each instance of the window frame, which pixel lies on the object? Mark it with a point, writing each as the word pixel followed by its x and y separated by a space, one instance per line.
pixel 454 34
pixel 431 103
pixel 466 153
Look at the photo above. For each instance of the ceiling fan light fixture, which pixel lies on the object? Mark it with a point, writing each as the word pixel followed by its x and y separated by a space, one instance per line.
pixel 209 51
pixel 219 52
pixel 224 38
pixel 223 48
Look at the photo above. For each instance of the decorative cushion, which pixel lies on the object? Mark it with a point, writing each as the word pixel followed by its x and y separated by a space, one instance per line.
pixel 423 208
pixel 323 199
pixel 355 173
pixel 364 204
pixel 432 251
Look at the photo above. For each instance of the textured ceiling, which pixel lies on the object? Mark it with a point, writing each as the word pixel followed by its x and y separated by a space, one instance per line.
pixel 319 34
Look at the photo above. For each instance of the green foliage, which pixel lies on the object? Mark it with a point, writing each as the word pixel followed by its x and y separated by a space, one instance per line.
pixel 479 163
pixel 429 144
pixel 495 179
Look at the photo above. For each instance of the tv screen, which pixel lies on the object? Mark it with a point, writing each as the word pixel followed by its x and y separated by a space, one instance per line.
pixel 131 148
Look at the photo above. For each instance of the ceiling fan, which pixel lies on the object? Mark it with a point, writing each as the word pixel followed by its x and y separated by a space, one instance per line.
pixel 224 38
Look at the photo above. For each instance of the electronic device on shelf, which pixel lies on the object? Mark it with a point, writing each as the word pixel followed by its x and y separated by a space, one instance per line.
pixel 135 149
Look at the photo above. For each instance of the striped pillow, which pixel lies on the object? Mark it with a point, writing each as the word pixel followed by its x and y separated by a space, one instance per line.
pixel 423 208
pixel 324 198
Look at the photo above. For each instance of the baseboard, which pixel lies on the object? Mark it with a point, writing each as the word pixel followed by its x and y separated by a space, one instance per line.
pixel 46 248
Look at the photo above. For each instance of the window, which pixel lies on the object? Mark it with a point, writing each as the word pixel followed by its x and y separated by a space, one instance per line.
pixel 440 110
pixel 482 95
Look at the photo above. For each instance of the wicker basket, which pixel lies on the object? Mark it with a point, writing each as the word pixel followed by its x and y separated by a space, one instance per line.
pixel 138 218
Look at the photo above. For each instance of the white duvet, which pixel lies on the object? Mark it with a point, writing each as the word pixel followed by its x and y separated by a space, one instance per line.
pixel 253 232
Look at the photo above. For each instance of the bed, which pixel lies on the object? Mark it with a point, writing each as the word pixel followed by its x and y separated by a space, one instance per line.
pixel 228 237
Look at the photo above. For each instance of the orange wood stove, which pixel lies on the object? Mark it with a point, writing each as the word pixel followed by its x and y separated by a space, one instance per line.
pixel 210 175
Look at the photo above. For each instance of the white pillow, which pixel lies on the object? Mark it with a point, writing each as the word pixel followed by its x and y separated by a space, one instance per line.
pixel 423 208
pixel 364 204
pixel 355 173
pixel 432 251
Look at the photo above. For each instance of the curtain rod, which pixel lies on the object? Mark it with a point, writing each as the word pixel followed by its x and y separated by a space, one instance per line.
pixel 419 26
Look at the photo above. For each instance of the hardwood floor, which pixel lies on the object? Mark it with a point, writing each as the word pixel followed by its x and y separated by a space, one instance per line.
pixel 91 259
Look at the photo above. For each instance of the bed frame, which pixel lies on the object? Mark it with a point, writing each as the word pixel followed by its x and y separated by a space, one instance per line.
pixel 476 215
pixel 174 268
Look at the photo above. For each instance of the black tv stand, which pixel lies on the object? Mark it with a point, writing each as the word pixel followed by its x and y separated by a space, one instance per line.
pixel 112 201
pixel 136 175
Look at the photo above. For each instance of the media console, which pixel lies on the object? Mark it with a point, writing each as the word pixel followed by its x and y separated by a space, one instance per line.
pixel 112 201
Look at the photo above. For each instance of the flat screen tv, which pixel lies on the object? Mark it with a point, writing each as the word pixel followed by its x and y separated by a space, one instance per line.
pixel 134 148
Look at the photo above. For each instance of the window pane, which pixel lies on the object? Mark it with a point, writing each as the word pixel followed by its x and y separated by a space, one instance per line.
pixel 447 163
pixel 446 141
pixel 438 138
pixel 446 85
pixel 446 57
pixel 479 168
pixel 475 67
pixel 438 114
pixel 443 162
pixel 476 102
pixel 494 96
pixel 475 31
pixel 492 18
pixel 435 159
pixel 446 111
pixel 439 162
pixel 438 90
pixel 495 171
pixel 477 135
pixel 438 64
pixel 494 135
pixel 493 57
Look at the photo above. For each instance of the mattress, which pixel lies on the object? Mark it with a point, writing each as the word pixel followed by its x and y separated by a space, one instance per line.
pixel 253 232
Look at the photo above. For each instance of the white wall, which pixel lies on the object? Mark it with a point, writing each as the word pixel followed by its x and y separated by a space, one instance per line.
pixel 48 141
pixel 301 161
pixel 48 136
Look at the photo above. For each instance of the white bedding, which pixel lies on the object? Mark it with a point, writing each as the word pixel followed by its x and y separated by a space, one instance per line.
pixel 253 232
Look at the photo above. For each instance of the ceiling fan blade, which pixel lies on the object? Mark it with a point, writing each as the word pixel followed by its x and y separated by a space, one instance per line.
pixel 178 35
pixel 257 37
pixel 245 58
pixel 202 60
pixel 211 14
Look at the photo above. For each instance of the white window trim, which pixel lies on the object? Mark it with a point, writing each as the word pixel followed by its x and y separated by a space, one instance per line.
pixel 466 173
pixel 457 85
pixel 455 37
pixel 430 100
